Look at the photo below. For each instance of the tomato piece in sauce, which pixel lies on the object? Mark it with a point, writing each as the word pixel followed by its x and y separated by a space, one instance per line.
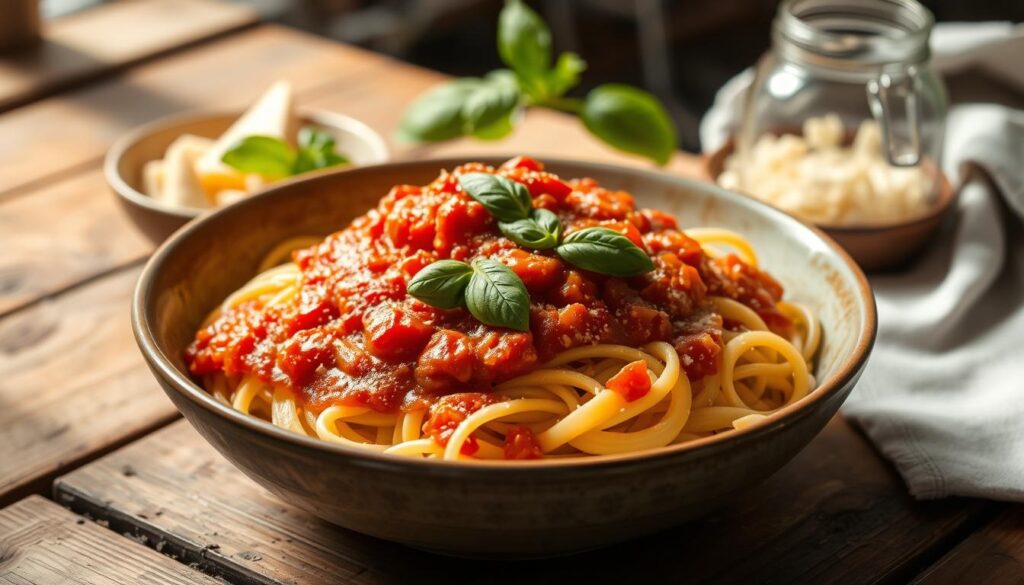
pixel 522 444
pixel 448 413
pixel 632 381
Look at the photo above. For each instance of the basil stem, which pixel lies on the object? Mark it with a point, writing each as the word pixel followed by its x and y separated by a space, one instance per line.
pixel 497 297
pixel 604 251
pixel 503 198
pixel 441 284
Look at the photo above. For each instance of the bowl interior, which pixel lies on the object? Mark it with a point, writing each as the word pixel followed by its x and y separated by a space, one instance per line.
pixel 209 259
pixel 358 142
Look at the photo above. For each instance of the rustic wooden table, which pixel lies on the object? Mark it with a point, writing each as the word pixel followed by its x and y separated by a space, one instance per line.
pixel 101 482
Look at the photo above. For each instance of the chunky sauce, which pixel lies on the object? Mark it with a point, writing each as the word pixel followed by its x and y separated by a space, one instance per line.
pixel 353 336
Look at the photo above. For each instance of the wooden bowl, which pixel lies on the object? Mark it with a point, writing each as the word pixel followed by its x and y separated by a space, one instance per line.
pixel 496 509
pixel 126 158
pixel 875 247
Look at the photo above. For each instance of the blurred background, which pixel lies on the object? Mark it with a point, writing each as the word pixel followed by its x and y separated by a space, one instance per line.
pixel 683 51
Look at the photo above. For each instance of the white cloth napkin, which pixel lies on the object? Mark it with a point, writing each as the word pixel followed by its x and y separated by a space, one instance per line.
pixel 943 393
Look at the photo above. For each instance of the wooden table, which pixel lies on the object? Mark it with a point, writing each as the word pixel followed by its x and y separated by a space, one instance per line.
pixel 103 483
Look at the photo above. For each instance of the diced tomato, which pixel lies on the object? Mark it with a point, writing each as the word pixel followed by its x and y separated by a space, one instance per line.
pixel 539 273
pixel 446 362
pixel 632 381
pixel 306 351
pixel 393 333
pixel 521 443
pixel 522 162
pixel 448 413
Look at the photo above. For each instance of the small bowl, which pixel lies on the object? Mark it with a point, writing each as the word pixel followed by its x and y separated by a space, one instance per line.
pixel 496 509
pixel 126 158
pixel 876 247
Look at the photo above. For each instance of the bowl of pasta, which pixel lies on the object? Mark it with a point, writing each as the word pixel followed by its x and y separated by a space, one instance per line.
pixel 504 358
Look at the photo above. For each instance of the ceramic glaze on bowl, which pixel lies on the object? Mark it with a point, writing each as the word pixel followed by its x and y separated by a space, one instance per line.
pixel 496 509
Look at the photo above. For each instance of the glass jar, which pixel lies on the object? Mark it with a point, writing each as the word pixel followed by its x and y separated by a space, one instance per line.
pixel 849 61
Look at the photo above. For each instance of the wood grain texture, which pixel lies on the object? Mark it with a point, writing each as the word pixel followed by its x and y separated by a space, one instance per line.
pixel 834 514
pixel 41 543
pixel 72 384
pixel 111 37
pixel 993 555
pixel 72 131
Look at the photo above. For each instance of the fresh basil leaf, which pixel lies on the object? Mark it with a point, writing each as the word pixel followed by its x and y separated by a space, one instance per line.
pixel 541 231
pixel 264 155
pixel 524 40
pixel 437 114
pixel 316 151
pixel 565 75
pixel 604 251
pixel 310 137
pixel 501 128
pixel 630 120
pixel 489 110
pixel 503 198
pixel 497 297
pixel 441 284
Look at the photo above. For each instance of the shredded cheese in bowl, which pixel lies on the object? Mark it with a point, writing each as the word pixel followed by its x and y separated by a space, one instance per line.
pixel 818 178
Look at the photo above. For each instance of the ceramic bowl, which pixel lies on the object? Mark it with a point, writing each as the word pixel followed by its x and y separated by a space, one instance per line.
pixel 126 158
pixel 496 509
pixel 875 247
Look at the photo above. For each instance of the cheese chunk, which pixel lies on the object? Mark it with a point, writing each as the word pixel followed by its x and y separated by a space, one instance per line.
pixel 181 185
pixel 272 115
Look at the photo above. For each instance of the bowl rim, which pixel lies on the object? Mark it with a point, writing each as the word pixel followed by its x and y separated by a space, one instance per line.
pixel 946 197
pixel 120 185
pixel 847 373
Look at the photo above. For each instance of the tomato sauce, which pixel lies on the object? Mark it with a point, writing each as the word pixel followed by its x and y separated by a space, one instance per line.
pixel 353 336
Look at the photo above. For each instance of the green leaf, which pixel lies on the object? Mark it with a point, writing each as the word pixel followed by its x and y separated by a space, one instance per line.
pixel 316 151
pixel 489 110
pixel 604 251
pixel 565 75
pixel 630 120
pixel 524 40
pixel 497 297
pixel 437 114
pixel 441 284
pixel 503 198
pixel 264 155
pixel 310 137
pixel 540 231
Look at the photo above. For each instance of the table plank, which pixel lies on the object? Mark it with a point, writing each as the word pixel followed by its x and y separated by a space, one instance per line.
pixel 72 131
pixel 72 384
pixel 110 37
pixel 993 555
pixel 834 513
pixel 40 542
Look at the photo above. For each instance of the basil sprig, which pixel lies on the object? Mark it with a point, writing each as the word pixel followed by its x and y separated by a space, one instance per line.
pixel 490 290
pixel 625 118
pixel 605 251
pixel 276 159
pixel 510 203
pixel 540 231
pixel 596 249
pixel 493 294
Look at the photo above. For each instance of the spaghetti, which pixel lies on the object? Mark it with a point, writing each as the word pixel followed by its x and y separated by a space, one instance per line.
pixel 700 346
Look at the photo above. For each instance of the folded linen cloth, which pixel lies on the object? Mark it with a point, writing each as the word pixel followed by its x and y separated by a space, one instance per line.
pixel 943 394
